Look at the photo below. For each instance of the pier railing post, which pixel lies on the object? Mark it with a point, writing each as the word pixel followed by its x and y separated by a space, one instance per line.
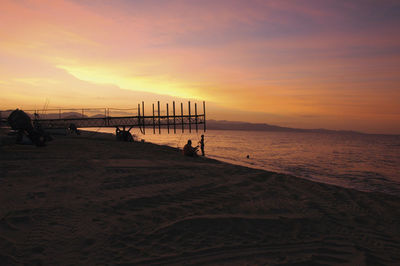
pixel 195 116
pixel 105 116
pixel 143 119
pixel 138 115
pixel 204 116
pixel 173 108
pixel 154 122
pixel 159 121
pixel 190 122
pixel 167 119
pixel 108 116
pixel 183 127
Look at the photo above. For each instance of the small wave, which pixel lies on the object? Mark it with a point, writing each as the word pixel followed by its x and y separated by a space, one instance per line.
pixel 339 159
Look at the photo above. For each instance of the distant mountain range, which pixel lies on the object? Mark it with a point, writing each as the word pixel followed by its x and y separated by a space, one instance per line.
pixel 233 125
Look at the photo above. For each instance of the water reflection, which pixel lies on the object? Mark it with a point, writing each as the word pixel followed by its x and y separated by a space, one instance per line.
pixel 363 162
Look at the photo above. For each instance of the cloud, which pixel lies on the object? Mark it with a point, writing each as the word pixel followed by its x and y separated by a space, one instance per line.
pixel 299 61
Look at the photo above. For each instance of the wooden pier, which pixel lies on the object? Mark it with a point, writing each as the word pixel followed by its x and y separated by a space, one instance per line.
pixel 123 119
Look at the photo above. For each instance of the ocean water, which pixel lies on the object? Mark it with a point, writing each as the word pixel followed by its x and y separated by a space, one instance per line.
pixel 363 162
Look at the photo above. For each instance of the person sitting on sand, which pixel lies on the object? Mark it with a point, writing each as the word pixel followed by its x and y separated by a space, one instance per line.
pixel 188 150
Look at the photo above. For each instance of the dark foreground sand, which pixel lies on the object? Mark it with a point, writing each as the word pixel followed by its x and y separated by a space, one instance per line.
pixel 95 201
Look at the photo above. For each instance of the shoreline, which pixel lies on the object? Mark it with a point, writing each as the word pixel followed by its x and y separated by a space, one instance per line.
pixel 390 187
pixel 93 200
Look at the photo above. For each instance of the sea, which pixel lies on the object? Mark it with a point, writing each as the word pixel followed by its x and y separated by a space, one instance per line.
pixel 363 162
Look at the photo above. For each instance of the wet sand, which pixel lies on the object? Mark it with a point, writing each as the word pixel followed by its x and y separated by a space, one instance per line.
pixel 91 200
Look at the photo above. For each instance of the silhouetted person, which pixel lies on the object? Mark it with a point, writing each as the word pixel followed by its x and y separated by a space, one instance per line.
pixel 188 150
pixel 123 135
pixel 72 127
pixel 127 136
pixel 201 142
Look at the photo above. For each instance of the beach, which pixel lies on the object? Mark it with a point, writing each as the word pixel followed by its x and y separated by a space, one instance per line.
pixel 90 200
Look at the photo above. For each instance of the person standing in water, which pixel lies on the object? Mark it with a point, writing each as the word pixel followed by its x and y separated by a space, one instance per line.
pixel 201 142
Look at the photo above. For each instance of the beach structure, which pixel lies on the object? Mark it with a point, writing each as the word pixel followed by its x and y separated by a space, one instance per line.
pixel 123 120
pixel 19 121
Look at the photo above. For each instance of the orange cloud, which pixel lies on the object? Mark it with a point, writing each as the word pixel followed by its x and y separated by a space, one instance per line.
pixel 309 65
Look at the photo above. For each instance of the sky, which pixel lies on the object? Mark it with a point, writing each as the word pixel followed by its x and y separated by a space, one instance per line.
pixel 331 64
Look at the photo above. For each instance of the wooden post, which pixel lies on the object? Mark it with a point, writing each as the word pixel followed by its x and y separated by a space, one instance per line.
pixel 183 127
pixel 173 110
pixel 138 114
pixel 105 117
pixel 204 117
pixel 195 116
pixel 154 122
pixel 167 119
pixel 143 119
pixel 190 122
pixel 159 122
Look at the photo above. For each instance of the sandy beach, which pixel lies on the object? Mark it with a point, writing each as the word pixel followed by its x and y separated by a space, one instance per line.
pixel 90 200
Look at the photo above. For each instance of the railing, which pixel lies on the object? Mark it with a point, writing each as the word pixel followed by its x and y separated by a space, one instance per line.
pixel 114 117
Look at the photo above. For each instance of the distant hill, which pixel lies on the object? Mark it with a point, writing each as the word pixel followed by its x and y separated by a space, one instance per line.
pixel 245 126
pixel 66 115
pixel 98 116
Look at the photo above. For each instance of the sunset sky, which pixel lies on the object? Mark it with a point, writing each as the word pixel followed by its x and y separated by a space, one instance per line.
pixel 303 63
